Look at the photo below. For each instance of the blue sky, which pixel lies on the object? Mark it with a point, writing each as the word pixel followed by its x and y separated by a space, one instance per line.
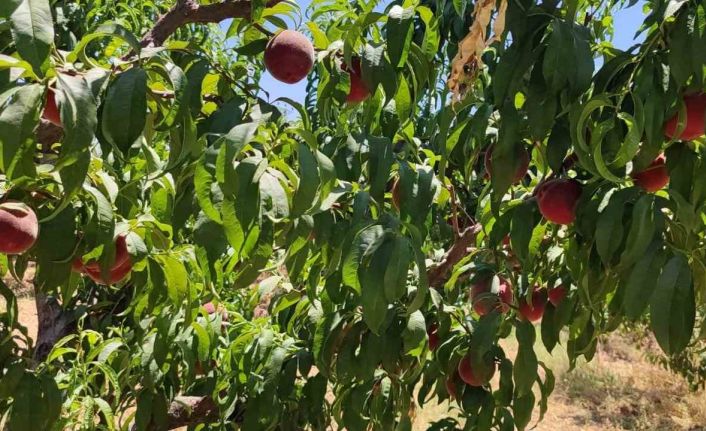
pixel 627 21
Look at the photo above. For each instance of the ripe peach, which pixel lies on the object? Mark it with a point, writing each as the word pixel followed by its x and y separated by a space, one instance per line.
pixel 695 113
pixel 433 334
pixel 521 169
pixel 655 177
pixel 359 91
pixel 51 110
pixel 557 200
pixel 289 56
pixel 121 255
pixel 210 307
pixel 116 274
pixel 534 311
pixel 483 300
pixel 557 294
pixel 121 268
pixel 475 377
pixel 19 227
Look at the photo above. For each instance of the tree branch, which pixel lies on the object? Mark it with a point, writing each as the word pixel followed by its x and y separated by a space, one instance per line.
pixel 437 274
pixel 186 411
pixel 190 11
pixel 53 324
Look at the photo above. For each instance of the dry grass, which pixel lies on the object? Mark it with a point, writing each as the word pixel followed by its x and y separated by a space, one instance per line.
pixel 618 390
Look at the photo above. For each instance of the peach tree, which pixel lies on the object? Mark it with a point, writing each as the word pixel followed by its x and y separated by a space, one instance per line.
pixel 208 255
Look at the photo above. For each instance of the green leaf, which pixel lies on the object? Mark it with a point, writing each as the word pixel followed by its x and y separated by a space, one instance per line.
pixel 504 161
pixel 371 274
pixel 430 44
pixel 34 405
pixel 680 52
pixel 673 306
pixel 176 278
pixel 558 144
pixel 609 227
pixel 525 368
pixel 642 230
pixel 33 31
pixel 417 190
pixel 380 158
pixel 378 71
pixel 204 341
pixel 105 30
pixel 18 119
pixel 568 60
pixel 640 284
pixel 415 334
pixel 78 116
pixel 309 181
pixel 399 30
pixel 273 198
pixel 124 110
pixel 204 181
pixel 525 217
pixel 522 406
pixel 403 100
pixel 399 259
pixel 320 39
pixel 484 335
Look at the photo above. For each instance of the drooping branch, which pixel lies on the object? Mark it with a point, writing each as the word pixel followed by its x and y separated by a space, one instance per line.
pixel 190 11
pixel 437 274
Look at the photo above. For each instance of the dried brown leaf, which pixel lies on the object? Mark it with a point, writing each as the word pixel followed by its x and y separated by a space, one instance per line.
pixel 467 62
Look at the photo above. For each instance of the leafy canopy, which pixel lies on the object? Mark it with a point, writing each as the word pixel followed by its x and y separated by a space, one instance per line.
pixel 291 271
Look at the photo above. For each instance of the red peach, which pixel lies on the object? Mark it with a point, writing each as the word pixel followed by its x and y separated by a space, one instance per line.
pixel 534 311
pixel 289 56
pixel 695 113
pixel 655 177
pixel 121 268
pixel 359 91
pixel 121 255
pixel 475 377
pixel 557 294
pixel 115 275
pixel 483 300
pixel 51 110
pixel 19 227
pixel 210 307
pixel 557 200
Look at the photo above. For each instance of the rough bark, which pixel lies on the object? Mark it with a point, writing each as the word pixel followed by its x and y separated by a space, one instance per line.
pixel 186 411
pixel 53 324
pixel 437 274
pixel 190 11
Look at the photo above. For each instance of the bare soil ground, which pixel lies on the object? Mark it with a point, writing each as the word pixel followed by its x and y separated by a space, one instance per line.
pixel 619 390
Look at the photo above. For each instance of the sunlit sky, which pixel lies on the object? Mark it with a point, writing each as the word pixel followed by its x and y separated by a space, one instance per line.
pixel 627 22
